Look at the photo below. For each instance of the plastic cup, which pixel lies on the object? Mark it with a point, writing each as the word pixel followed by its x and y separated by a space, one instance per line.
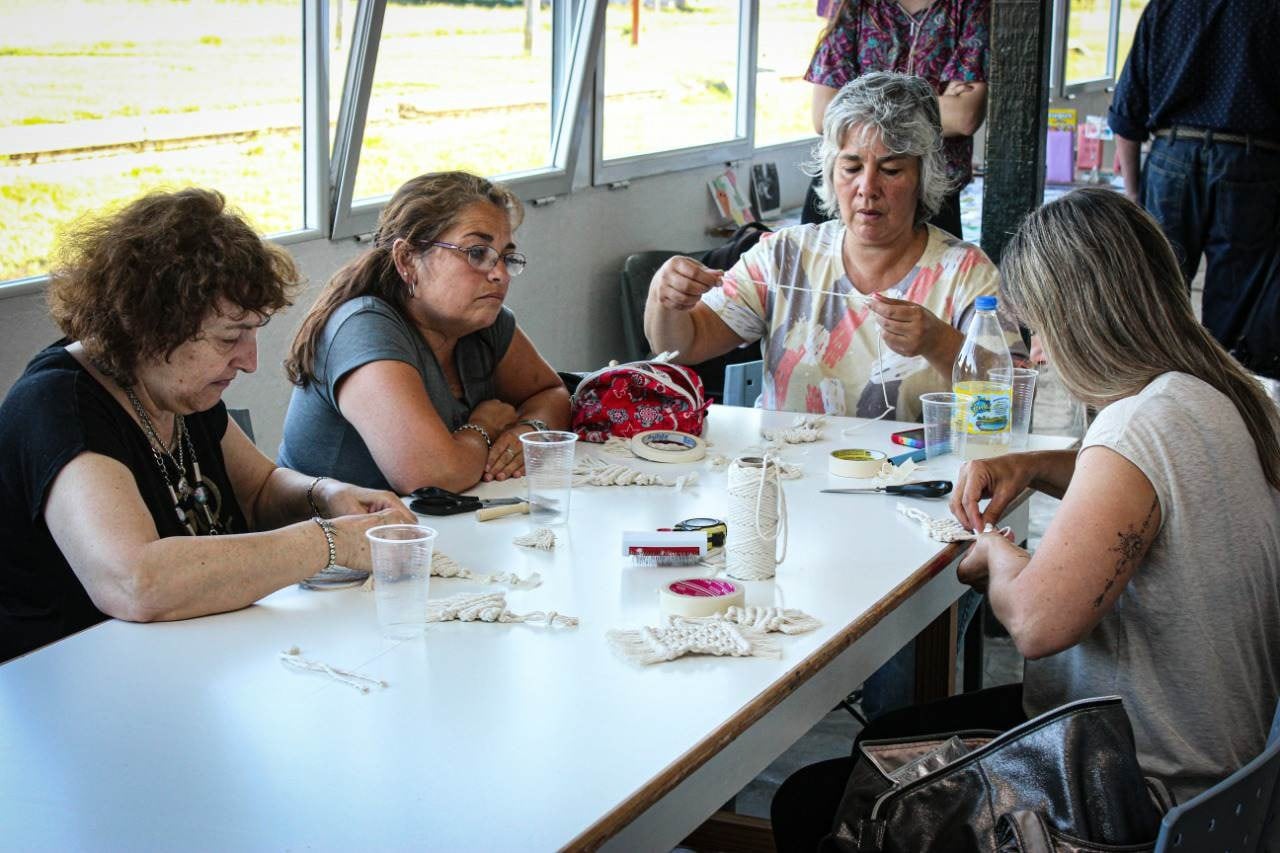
pixel 941 409
pixel 401 576
pixel 1023 382
pixel 548 470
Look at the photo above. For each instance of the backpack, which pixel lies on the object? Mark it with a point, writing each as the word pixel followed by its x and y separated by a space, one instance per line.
pixel 624 399
pixel 723 257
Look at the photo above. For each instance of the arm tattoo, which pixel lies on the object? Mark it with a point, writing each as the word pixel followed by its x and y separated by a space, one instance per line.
pixel 1128 549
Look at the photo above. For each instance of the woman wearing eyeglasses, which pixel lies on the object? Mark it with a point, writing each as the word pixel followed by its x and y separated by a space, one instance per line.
pixel 409 370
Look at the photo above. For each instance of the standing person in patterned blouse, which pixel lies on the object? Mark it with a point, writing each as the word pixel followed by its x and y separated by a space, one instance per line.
pixel 943 41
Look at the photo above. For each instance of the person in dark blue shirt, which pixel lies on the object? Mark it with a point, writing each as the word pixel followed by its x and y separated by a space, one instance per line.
pixel 1201 81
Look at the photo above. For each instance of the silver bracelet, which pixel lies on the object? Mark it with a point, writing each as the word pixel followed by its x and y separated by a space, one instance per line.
pixel 311 496
pixel 326 527
pixel 484 433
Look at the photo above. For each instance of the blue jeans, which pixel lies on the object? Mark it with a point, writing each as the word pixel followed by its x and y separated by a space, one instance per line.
pixel 1222 200
pixel 894 684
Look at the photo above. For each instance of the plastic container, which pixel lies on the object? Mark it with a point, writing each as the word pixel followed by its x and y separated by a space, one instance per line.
pixel 983 407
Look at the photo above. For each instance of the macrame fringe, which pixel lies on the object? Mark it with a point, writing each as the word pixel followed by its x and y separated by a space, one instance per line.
pixel 592 471
pixel 770 619
pixel 540 538
pixel 803 430
pixel 292 659
pixel 444 566
pixel 618 446
pixel 490 607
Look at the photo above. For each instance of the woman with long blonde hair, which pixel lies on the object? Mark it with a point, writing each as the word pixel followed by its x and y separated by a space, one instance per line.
pixel 1159 576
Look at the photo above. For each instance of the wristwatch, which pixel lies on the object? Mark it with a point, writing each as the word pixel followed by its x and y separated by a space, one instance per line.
pixel 540 426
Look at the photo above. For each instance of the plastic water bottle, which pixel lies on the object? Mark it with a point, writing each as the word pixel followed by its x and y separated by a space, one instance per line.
pixel 985 406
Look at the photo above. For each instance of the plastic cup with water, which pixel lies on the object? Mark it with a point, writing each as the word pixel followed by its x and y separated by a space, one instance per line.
pixel 1023 382
pixel 548 470
pixel 941 419
pixel 401 576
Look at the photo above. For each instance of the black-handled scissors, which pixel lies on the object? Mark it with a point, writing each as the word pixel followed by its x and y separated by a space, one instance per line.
pixel 433 500
pixel 923 489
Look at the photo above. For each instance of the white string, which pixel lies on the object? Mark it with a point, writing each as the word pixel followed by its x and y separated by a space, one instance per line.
pixel 444 566
pixel 757 516
pixel 490 607
pixel 540 538
pixel 292 659
pixel 857 297
pixel 593 471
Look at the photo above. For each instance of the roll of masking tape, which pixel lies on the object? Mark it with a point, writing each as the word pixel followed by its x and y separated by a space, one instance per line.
pixel 699 597
pixel 664 445
pixel 855 462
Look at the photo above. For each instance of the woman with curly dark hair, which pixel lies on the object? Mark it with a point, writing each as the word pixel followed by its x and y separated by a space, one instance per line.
pixel 117 461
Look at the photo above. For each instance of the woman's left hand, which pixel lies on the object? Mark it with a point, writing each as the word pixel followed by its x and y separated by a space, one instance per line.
pixel 909 329
pixel 506 457
pixel 974 567
pixel 337 499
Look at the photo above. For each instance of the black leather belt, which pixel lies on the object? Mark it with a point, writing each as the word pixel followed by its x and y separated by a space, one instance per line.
pixel 1175 133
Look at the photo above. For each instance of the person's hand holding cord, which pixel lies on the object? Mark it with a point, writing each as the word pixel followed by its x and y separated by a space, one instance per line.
pixel 1002 478
pixel 911 329
pixel 675 318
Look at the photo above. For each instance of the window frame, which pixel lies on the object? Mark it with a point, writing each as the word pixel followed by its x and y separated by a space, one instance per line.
pixel 1058 62
pixel 576 31
pixel 740 147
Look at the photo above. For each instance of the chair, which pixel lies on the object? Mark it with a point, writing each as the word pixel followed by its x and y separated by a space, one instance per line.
pixel 243 420
pixel 1233 814
pixel 637 272
pixel 742 383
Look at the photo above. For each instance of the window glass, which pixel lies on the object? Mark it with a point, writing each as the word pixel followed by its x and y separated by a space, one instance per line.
pixel 789 31
pixel 458 87
pixel 1130 12
pixel 671 83
pixel 342 24
pixel 103 101
pixel 1088 30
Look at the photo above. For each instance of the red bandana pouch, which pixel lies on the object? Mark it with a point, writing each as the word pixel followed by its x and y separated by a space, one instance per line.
pixel 624 399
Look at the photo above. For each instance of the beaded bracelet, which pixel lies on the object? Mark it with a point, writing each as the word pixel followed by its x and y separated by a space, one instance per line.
pixel 484 433
pixel 326 527
pixel 311 496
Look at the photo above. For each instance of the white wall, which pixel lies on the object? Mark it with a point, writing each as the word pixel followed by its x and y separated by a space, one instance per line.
pixel 567 301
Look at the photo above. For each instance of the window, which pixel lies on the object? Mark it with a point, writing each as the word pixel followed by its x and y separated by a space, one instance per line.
pixel 675 81
pixel 458 87
pixel 104 101
pixel 788 34
pixel 1092 41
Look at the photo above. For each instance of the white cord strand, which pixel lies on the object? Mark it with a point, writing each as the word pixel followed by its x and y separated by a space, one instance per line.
pixel 292 658
pixel 857 297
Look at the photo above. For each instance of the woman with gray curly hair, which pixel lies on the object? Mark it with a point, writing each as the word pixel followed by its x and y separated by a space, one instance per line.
pixel 807 292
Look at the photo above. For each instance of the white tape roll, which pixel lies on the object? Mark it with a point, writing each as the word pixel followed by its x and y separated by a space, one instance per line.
pixel 855 462
pixel 664 445
pixel 700 597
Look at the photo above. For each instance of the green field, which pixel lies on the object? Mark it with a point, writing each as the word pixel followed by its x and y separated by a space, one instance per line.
pixel 107 99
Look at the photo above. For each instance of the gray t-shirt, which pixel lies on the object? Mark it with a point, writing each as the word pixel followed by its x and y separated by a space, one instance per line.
pixel 319 440
pixel 1193 643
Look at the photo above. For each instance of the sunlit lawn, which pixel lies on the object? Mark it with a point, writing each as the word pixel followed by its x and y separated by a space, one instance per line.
pixel 453 89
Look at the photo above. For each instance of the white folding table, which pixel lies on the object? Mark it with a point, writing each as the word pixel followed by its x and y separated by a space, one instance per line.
pixel 490 736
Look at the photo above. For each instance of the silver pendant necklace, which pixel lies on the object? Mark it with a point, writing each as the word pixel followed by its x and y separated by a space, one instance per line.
pixel 183 494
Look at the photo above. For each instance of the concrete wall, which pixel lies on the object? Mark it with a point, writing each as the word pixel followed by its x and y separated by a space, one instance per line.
pixel 567 301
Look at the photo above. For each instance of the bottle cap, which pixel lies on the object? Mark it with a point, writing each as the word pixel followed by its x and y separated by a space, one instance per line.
pixel 986 303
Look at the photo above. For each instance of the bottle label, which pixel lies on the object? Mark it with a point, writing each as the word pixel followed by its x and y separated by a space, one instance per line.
pixel 987 407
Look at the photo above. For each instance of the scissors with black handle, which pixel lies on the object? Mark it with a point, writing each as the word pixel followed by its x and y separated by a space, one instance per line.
pixel 922 489
pixel 433 500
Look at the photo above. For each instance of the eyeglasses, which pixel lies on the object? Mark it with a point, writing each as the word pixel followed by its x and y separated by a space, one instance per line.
pixel 485 258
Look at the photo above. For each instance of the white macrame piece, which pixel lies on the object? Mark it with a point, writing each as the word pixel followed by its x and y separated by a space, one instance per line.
pixel 592 471
pixel 689 637
pixel 894 475
pixel 803 430
pixel 292 659
pixel 938 529
pixel 770 619
pixel 541 538
pixel 444 566
pixel 718 462
pixel 618 446
pixel 490 607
